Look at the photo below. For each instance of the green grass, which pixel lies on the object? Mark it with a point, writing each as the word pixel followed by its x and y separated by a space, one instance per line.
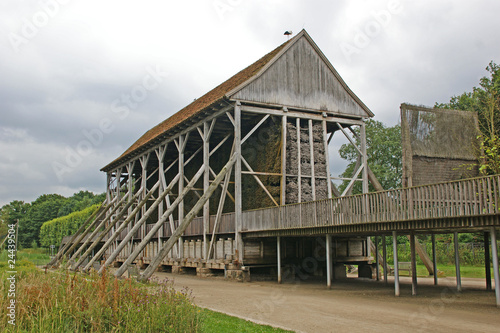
pixel 449 271
pixel 217 322
pixel 37 256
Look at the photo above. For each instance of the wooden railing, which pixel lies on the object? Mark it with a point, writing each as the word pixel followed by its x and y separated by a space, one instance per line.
pixel 470 197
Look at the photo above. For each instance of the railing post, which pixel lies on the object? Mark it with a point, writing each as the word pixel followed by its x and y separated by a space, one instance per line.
pixel 457 262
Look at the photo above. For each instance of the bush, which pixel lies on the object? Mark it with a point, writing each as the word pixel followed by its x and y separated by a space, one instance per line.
pixel 53 231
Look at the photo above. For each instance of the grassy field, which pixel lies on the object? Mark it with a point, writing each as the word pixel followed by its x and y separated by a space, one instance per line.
pixel 63 302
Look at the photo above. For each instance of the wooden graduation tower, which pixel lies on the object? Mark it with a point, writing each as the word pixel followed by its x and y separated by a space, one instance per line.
pixel 177 197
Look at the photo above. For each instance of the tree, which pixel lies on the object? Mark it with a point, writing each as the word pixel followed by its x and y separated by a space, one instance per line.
pixel 384 155
pixel 44 208
pixel 10 213
pixel 485 100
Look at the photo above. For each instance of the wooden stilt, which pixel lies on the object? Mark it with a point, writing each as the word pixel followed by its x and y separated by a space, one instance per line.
pixel 434 259
pixel 487 260
pixel 494 256
pixel 384 255
pixel 413 265
pixel 377 261
pixel 238 210
pixel 457 262
pixel 396 268
pixel 278 253
pixel 329 261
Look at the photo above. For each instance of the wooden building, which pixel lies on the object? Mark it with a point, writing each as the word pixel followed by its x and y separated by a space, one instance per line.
pixel 178 197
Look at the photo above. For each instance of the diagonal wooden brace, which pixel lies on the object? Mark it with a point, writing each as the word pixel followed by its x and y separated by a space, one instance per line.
pixel 186 221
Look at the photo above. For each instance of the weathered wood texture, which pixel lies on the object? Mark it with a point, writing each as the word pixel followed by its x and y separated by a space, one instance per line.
pixel 302 78
pixel 472 197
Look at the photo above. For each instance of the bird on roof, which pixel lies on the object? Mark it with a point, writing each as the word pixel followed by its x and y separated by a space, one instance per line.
pixel 288 33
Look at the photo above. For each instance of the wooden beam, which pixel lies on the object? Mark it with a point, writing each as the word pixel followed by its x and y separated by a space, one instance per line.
pixel 238 210
pixel 185 223
pixel 283 159
pixel 311 153
pixel 97 214
pixel 258 180
pixel 487 260
pixel 106 231
pixel 96 230
pixel 255 128
pixel 141 221
pixel 299 163
pixel 327 160
pixel 159 223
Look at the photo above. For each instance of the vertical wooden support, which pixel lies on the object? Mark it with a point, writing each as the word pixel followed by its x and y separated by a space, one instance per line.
pixel 377 261
pixel 160 153
pixel 487 260
pixel 364 158
pixel 283 158
pixel 144 163
pixel 180 207
pixel 237 181
pixel 413 265
pixel 384 256
pixel 396 268
pixel 278 251
pixel 206 184
pixel 311 152
pixel 327 160
pixel 457 261
pixel 108 187
pixel 299 166
pixel 434 259
pixel 494 257
pixel 329 261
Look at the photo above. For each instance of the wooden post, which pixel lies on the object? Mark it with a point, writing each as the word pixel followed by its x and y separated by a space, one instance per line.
pixel 434 259
pixel 283 157
pixel 487 260
pixel 494 255
pixel 299 164
pixel 329 261
pixel 311 152
pixel 457 262
pixel 377 261
pixel 278 250
pixel 180 190
pixel 364 157
pixel 238 210
pixel 396 268
pixel 185 223
pixel 413 265
pixel 384 254
pixel 327 160
pixel 206 184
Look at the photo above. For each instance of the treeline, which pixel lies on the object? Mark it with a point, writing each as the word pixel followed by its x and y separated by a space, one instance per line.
pixel 46 207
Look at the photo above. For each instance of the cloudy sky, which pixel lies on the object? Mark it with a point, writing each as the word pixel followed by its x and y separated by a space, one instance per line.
pixel 69 67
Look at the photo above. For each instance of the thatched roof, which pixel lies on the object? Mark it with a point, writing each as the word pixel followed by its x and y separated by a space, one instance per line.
pixel 223 92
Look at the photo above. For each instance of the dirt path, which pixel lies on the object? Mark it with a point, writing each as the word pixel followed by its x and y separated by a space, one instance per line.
pixel 352 306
